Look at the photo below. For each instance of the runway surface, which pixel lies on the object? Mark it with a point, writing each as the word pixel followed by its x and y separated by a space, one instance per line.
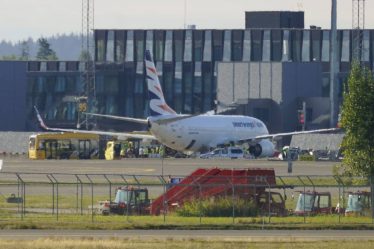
pixel 216 235
pixel 169 166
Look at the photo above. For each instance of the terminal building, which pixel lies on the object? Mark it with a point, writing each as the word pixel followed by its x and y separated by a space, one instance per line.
pixel 266 70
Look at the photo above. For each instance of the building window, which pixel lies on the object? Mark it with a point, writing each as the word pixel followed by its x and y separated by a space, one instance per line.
pixel 276 45
pixel 208 46
pixel 227 46
pixel 139 45
pixel 100 45
pixel 207 85
pixel 187 87
pixel 178 45
pixel 168 78
pixel 149 41
pixel 296 40
pixel 159 46
pixel 256 45
pixel 198 45
pixel 286 46
pixel 325 46
pixel 316 44
pixel 305 54
pixel 266 52
pixel 188 46
pixel 247 45
pixel 237 45
pixel 129 56
pixel 345 46
pixel 110 46
pixel 217 45
pixel 120 46
pixel 169 46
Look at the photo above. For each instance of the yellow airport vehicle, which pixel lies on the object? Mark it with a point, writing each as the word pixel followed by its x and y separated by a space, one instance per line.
pixel 64 146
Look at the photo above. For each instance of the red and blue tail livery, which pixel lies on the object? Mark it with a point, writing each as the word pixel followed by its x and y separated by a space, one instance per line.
pixel 157 103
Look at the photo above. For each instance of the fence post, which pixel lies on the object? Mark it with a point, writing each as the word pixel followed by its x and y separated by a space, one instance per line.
pixel 92 196
pixel 22 195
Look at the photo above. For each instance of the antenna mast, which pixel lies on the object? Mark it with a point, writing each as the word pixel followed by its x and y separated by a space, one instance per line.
pixel 87 96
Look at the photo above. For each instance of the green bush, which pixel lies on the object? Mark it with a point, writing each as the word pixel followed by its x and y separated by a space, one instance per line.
pixel 219 207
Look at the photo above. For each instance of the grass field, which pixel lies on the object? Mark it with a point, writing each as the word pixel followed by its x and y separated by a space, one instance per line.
pixel 90 243
pixel 113 222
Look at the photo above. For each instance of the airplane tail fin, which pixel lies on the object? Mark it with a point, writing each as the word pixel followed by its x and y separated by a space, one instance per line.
pixel 157 101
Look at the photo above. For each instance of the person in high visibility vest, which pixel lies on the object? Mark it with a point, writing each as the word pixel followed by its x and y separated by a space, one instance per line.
pixel 146 152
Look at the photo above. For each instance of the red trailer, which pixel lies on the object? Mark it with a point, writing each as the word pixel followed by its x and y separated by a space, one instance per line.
pixel 215 182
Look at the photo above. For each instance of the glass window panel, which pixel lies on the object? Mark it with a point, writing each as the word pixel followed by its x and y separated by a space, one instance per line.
pixel 305 54
pixel 60 85
pixel 316 44
pixel 365 53
pixel 99 84
pixel 111 84
pixel 100 45
pixel 227 46
pixel 187 86
pixel 208 46
pixel 62 66
pixel 247 45
pixel 286 46
pixel 256 45
pixel 139 38
pixel 237 45
pixel 110 46
pixel 178 100
pixel 149 40
pixel 129 46
pixel 198 45
pixel 326 45
pixel 188 46
pixel 345 46
pixel 178 45
pixel 296 40
pixel 217 45
pixel 120 46
pixel 266 46
pixel 276 45
pixel 168 77
pixel 326 85
pixel 197 89
pixel 169 46
pixel 111 106
pixel 207 85
pixel 159 46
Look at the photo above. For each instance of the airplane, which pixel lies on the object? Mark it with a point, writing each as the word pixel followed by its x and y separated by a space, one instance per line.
pixel 193 133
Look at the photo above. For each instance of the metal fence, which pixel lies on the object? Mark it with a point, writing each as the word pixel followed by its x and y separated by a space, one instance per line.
pixel 76 197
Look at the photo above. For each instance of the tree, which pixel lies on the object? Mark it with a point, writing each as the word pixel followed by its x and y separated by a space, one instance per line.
pixel 357 119
pixel 25 51
pixel 45 52
pixel 85 56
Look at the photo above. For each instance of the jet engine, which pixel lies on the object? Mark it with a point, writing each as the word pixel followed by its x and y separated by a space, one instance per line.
pixel 265 148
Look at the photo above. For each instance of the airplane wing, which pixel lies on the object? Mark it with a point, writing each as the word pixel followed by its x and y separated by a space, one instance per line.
pixel 119 134
pixel 136 120
pixel 272 136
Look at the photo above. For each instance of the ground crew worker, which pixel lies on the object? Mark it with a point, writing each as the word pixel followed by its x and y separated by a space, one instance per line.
pixel 146 152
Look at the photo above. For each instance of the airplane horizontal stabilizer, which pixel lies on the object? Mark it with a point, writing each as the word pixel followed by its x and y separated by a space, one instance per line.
pixel 107 133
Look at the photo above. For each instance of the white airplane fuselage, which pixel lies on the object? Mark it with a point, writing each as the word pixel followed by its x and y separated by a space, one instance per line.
pixel 202 132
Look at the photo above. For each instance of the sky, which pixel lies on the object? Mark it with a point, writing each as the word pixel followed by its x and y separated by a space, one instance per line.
pixel 21 19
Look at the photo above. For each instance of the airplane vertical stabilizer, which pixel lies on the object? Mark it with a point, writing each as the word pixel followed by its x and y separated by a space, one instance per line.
pixel 157 101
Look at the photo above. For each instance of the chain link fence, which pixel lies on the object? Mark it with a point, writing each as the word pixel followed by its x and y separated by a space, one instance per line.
pixel 103 198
